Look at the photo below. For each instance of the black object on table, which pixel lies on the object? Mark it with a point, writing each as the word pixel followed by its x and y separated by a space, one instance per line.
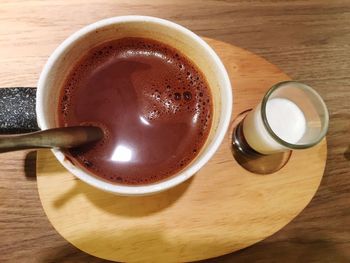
pixel 17 110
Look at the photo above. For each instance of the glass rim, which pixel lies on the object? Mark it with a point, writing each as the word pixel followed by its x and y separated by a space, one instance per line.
pixel 274 135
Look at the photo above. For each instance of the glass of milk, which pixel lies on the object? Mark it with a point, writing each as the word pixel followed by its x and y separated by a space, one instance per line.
pixel 290 116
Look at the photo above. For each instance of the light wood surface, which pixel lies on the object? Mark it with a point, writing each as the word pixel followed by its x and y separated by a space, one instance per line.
pixel 307 39
pixel 223 208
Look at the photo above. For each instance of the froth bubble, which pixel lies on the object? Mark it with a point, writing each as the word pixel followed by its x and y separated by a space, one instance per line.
pixel 187 95
pixel 87 163
pixel 177 96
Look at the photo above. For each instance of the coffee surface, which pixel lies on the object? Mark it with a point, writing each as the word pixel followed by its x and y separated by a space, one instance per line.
pixel 153 104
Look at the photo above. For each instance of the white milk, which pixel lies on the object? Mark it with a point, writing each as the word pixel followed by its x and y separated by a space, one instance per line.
pixel 285 119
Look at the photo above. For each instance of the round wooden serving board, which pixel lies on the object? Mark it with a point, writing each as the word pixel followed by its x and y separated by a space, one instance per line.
pixel 223 208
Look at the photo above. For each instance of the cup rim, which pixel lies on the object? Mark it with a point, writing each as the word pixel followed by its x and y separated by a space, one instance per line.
pixel 167 183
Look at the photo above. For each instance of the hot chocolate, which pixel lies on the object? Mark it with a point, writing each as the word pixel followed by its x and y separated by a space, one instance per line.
pixel 152 102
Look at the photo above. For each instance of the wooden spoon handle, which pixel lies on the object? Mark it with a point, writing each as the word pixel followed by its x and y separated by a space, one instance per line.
pixel 66 137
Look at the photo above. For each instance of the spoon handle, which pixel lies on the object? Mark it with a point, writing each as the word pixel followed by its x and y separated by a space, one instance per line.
pixel 66 137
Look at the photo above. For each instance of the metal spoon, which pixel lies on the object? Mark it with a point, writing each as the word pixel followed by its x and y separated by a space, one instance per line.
pixel 66 137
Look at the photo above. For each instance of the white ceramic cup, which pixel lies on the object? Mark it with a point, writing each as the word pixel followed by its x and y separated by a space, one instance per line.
pixel 174 35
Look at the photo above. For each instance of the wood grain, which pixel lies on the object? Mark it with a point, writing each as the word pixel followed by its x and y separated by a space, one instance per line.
pixel 223 208
pixel 309 40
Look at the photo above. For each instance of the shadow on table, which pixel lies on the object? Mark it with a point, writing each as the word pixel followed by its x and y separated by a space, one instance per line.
pixel 30 165
pixel 128 206
pixel 347 154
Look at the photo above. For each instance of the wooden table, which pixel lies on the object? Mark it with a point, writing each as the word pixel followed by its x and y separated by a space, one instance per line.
pixel 309 40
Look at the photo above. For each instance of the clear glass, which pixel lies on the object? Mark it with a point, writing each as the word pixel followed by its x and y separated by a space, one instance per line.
pixel 290 116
